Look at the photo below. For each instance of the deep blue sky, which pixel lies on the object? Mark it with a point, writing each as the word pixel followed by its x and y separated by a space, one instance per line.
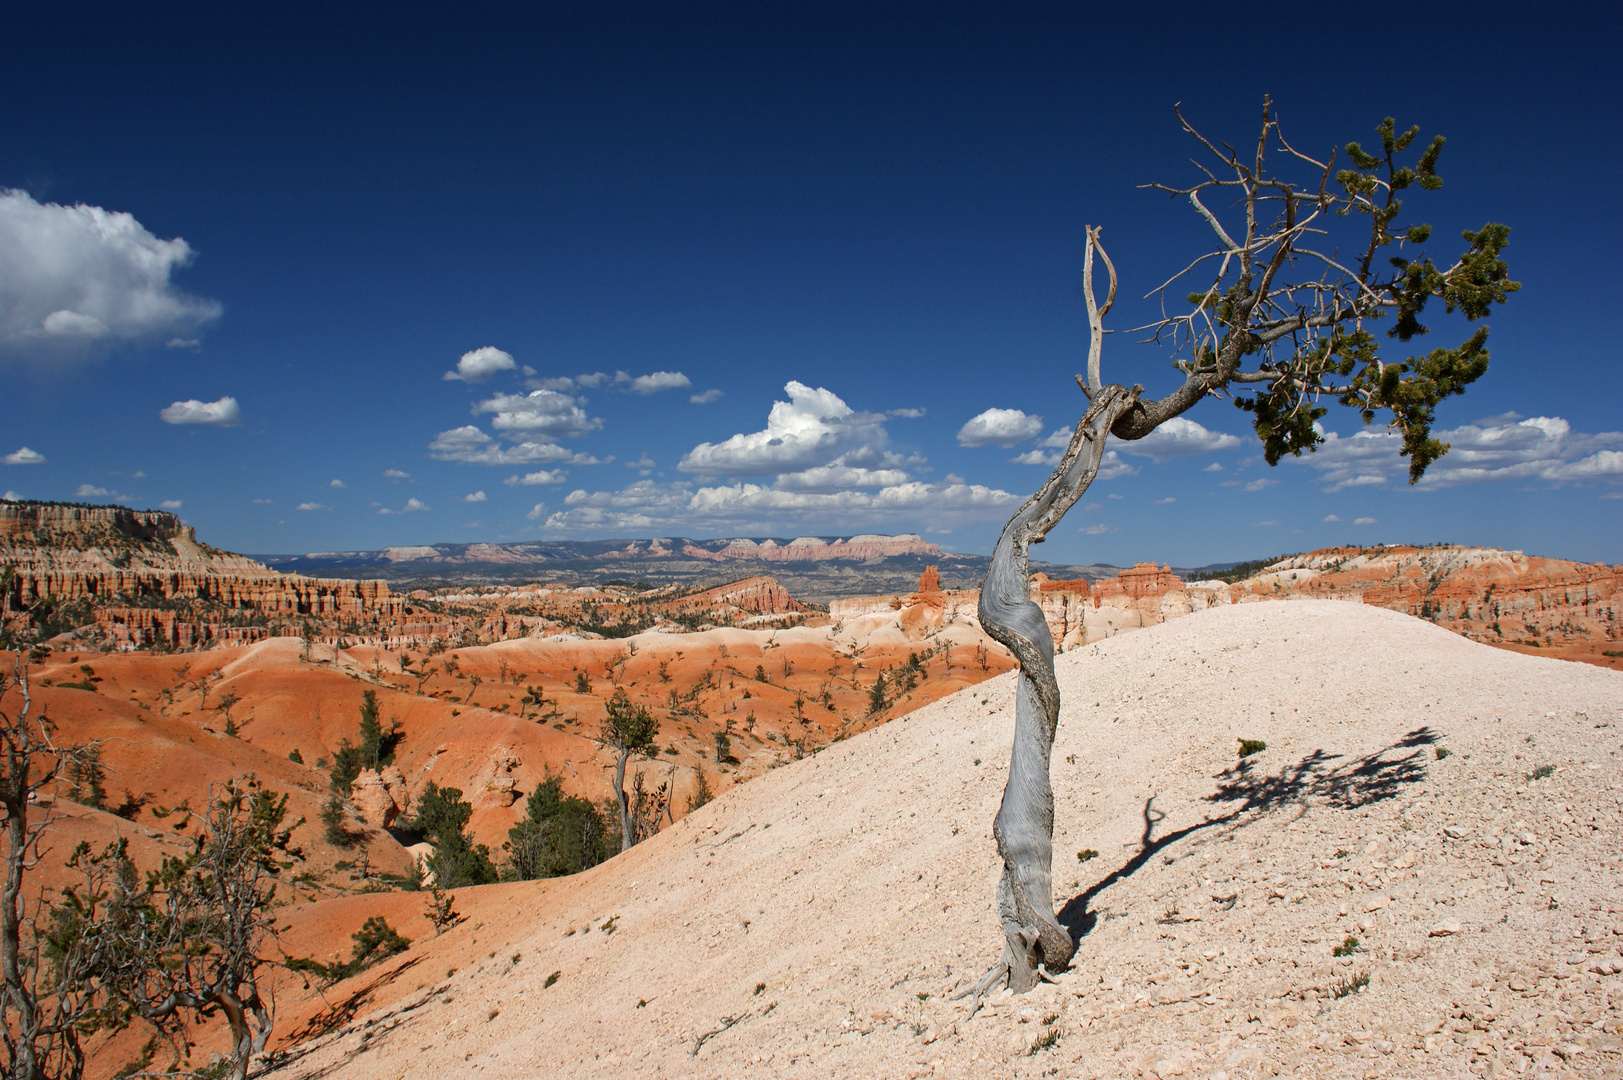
pixel 883 201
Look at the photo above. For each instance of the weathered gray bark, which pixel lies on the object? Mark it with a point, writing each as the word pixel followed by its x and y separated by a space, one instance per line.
pixel 1024 828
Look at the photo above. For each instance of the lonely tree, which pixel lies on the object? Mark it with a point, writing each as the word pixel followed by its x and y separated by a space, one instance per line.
pixel 1312 267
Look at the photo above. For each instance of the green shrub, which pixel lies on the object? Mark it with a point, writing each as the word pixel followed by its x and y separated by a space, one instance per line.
pixel 1252 746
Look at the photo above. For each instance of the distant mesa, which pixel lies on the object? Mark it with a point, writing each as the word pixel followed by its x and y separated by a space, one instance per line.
pixel 408 554
pixel 816 548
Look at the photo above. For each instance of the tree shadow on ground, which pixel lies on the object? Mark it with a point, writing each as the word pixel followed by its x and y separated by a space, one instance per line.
pixel 1248 793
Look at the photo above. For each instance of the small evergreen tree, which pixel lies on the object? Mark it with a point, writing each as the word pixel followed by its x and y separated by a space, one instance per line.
pixel 88 777
pixel 876 696
pixel 560 834
pixel 701 794
pixel 442 819
pixel 627 729
pixel 724 748
pixel 376 748
pixel 332 818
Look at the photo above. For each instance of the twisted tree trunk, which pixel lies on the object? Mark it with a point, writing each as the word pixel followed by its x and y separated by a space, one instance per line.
pixel 1034 941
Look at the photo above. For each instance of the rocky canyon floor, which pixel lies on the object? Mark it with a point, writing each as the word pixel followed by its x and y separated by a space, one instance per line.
pixel 1452 807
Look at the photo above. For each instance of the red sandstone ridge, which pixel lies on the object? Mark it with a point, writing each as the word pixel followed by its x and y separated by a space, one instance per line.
pixel 813 549
pixel 762 595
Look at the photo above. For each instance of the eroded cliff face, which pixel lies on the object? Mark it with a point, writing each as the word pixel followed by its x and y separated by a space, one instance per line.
pixel 1503 598
pixel 1485 593
pixel 143 579
pixel 68 524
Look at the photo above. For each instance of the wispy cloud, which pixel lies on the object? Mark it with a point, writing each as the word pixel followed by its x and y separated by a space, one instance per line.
pixel 470 446
pixel 170 504
pixel 705 397
pixel 91 491
pixel 646 504
pixel 1506 447
pixel 542 476
pixel 312 506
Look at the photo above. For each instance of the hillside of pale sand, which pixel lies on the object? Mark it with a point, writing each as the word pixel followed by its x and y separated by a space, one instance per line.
pixel 814 922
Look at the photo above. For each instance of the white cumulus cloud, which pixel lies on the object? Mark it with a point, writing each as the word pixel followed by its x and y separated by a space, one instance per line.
pixel 412 506
pixel 337 484
pixel 656 381
pixel 397 474
pixel 311 506
pixel 221 413
pixel 999 427
pixel 75 280
pixel 170 504
pixel 705 397
pixel 25 456
pixel 474 497
pixel 546 413
pixel 1179 437
pixel 480 364
pixel 812 428
pixel 12 496
pixel 905 414
pixel 1364 521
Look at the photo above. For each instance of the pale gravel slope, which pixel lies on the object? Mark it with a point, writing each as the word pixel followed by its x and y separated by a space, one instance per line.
pixel 853 882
